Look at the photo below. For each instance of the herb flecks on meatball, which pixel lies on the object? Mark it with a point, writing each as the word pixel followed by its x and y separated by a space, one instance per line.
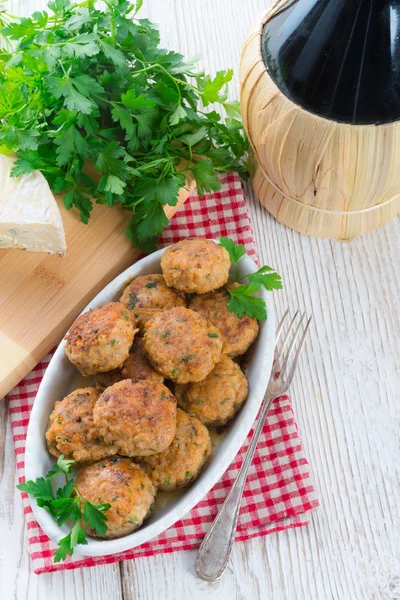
pixel 180 464
pixel 216 399
pixel 100 339
pixel 138 418
pixel 148 294
pixel 181 345
pixel 72 431
pixel 122 484
pixel 136 367
pixel 237 333
pixel 196 265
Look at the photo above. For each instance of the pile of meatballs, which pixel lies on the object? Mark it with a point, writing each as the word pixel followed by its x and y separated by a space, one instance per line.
pixel 169 342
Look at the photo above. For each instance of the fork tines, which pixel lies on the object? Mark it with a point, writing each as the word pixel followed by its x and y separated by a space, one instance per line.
pixel 282 356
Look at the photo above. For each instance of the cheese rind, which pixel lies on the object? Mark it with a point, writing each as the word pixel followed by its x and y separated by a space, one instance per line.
pixel 29 215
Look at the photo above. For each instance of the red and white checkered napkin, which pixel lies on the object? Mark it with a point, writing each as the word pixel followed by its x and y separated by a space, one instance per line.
pixel 279 491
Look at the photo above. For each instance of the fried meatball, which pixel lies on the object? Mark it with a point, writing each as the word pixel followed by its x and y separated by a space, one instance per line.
pixel 195 265
pixel 72 432
pixel 136 367
pixel 148 294
pixel 237 333
pixel 100 339
pixel 123 484
pixel 138 418
pixel 180 464
pixel 217 399
pixel 182 345
pixel 104 380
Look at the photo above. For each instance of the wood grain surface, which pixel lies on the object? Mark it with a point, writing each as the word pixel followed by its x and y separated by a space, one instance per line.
pixel 345 395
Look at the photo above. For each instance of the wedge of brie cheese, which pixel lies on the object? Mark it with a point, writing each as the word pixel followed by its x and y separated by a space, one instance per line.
pixel 29 215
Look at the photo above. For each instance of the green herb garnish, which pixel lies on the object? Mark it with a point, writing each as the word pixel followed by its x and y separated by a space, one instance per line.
pixel 242 300
pixel 89 98
pixel 66 505
pixel 152 284
pixel 132 300
pixel 213 335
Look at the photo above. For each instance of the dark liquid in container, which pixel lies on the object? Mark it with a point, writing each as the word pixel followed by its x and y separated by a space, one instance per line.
pixel 339 59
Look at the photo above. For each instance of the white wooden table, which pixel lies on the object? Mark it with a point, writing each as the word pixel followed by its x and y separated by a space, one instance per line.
pixel 346 397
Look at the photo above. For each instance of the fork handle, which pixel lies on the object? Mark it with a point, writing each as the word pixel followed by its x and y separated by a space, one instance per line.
pixel 215 549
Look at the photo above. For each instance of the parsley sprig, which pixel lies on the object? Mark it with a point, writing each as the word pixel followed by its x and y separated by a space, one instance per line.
pixel 66 505
pixel 89 98
pixel 242 300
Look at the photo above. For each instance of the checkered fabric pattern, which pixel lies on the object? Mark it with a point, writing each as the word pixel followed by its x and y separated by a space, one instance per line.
pixel 279 490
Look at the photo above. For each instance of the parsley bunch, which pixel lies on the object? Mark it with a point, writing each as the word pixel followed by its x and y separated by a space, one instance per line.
pixel 242 301
pixel 88 97
pixel 66 505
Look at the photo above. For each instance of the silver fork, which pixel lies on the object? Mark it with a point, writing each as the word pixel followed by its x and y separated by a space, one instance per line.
pixel 216 547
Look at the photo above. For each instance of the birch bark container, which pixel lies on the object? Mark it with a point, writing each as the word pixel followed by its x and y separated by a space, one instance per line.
pixel 320 176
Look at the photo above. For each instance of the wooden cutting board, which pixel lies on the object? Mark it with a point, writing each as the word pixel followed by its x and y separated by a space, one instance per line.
pixel 41 294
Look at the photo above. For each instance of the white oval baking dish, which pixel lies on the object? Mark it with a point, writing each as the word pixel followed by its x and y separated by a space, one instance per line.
pixel 61 378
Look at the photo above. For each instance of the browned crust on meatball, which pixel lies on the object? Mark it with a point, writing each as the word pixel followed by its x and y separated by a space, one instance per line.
pixel 104 380
pixel 123 484
pixel 72 432
pixel 181 345
pixel 180 464
pixel 196 265
pixel 136 367
pixel 138 418
pixel 238 333
pixel 100 339
pixel 216 399
pixel 147 295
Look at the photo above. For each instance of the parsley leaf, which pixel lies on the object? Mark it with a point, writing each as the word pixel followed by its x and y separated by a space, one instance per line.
pixel 178 114
pixel 82 45
pixel 267 277
pixel 243 302
pixel 65 509
pixel 206 180
pixel 213 90
pixel 236 251
pixel 63 465
pixel 69 143
pixel 168 189
pixel 132 101
pixel 67 544
pixel 94 515
pixel 73 100
pixel 40 489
